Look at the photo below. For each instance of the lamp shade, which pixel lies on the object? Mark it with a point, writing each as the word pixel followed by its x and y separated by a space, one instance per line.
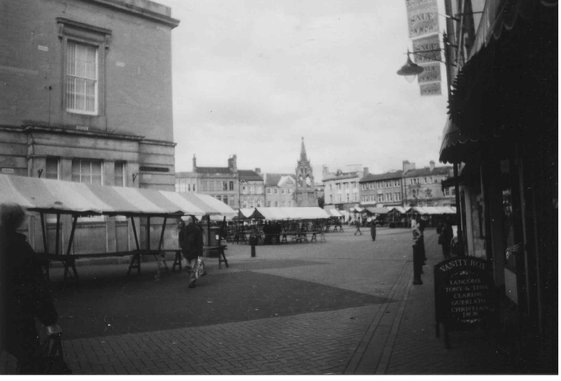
pixel 410 68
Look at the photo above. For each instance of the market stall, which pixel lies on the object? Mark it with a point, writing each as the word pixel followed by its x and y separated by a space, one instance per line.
pixel 73 201
pixel 279 224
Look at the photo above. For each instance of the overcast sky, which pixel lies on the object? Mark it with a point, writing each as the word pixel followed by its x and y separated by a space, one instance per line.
pixel 252 77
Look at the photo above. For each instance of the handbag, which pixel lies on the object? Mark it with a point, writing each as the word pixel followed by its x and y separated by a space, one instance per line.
pixel 53 357
pixel 200 268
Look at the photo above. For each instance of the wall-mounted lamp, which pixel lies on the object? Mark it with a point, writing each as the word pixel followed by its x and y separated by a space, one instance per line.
pixel 410 69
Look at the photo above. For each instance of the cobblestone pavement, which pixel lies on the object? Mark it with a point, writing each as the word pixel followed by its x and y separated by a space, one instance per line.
pixel 344 306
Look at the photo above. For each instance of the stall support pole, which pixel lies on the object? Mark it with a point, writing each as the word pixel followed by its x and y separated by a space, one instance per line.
pixel 44 231
pixel 57 240
pixel 161 257
pixel 135 260
pixel 69 262
pixel 45 245
pixel 208 231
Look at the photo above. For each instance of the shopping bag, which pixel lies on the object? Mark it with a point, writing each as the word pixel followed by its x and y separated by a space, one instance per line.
pixel 200 268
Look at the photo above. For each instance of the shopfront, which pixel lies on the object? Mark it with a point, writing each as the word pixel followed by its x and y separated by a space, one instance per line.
pixel 502 132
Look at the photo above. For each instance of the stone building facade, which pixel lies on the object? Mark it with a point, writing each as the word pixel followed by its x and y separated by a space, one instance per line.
pixel 87 97
pixel 87 91
pixel 383 189
pixel 423 187
pixel 252 188
pixel 341 189
pixel 279 189
pixel 219 182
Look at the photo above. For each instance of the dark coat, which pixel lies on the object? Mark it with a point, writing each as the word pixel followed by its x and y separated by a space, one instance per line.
pixel 28 297
pixel 373 230
pixel 445 236
pixel 191 241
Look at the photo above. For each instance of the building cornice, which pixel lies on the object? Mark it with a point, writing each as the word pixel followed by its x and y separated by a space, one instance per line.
pixel 131 7
pixel 30 126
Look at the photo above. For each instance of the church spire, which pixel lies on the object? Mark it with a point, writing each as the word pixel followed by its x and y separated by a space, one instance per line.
pixel 303 156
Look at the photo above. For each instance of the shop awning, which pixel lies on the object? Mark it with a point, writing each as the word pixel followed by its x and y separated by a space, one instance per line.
pixel 432 210
pixel 398 209
pixel 290 213
pixel 55 196
pixel 456 144
pixel 333 212
pixel 509 74
pixel 245 212
pixel 500 15
pixel 377 210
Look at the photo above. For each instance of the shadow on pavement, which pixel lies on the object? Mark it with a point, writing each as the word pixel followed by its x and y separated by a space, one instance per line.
pixel 115 304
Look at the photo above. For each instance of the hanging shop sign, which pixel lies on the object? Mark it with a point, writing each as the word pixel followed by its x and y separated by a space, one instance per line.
pixel 464 293
pixel 428 89
pixel 427 49
pixel 431 73
pixel 422 17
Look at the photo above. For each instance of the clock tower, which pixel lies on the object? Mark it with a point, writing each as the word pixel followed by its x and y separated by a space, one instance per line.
pixel 305 193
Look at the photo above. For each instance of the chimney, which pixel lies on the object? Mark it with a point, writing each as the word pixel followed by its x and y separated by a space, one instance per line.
pixel 431 164
pixel 232 163
pixel 325 171
pixel 365 171
pixel 407 166
pixel 194 163
pixel 258 171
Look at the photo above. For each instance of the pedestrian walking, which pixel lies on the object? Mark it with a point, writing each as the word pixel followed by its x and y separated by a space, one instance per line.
pixel 445 238
pixel 191 243
pixel 417 252
pixel 28 298
pixel 373 229
pixel 357 231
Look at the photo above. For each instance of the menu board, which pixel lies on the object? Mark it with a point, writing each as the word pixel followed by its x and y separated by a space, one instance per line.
pixel 463 291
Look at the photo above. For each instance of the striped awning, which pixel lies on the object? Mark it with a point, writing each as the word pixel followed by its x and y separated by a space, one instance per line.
pixel 55 196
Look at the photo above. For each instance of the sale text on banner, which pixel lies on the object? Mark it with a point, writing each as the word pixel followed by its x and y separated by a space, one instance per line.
pixel 422 17
pixel 430 89
pixel 431 73
pixel 427 49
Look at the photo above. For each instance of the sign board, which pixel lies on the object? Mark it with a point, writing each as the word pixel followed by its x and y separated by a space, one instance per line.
pixel 422 17
pixel 464 292
pixel 430 45
pixel 433 88
pixel 431 73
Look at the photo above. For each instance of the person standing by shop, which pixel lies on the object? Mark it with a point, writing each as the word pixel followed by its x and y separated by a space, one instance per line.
pixel 445 238
pixel 191 243
pixel 28 298
pixel 373 229
pixel 417 252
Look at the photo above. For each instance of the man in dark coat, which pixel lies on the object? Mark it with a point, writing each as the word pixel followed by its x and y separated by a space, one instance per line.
pixel 445 238
pixel 27 294
pixel 191 243
pixel 373 229
pixel 418 252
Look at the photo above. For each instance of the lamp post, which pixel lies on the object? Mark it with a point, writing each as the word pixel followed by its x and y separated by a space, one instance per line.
pixel 410 70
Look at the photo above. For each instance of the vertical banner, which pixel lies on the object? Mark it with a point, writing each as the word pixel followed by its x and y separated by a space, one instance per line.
pixel 427 89
pixel 431 73
pixel 430 45
pixel 422 17
pixel 422 21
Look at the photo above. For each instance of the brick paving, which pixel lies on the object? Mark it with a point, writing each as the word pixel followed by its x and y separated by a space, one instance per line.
pixel 345 306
